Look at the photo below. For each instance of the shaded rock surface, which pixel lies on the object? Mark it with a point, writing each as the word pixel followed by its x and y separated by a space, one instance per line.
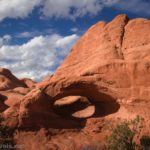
pixel 74 106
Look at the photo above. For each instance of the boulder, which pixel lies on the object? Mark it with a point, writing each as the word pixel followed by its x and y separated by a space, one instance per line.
pixel 28 110
pixel 28 82
pixel 22 90
pixel 34 106
pixel 13 96
pixel 8 80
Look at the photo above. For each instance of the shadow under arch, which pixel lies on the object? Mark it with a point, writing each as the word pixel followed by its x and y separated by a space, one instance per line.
pixel 102 108
pixel 104 103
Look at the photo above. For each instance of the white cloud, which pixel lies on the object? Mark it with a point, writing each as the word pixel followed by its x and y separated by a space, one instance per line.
pixel 61 9
pixel 70 9
pixel 31 34
pixel 74 8
pixel 17 8
pixel 25 35
pixel 5 39
pixel 38 57
pixel 74 29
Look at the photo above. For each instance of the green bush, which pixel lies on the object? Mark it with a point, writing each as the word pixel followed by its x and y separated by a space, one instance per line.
pixel 122 137
pixel 145 142
pixel 6 136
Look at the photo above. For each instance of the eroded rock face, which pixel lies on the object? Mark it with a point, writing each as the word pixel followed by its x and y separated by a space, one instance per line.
pixel 110 61
pixel 34 106
pixel 8 80
pixel 28 82
pixel 23 113
pixel 11 97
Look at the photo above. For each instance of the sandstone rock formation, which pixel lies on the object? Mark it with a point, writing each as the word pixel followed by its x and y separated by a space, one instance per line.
pixel 105 65
pixel 110 61
pixel 28 82
pixel 105 76
pixel 8 80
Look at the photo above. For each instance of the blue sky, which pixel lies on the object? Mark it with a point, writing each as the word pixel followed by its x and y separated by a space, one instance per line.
pixel 35 36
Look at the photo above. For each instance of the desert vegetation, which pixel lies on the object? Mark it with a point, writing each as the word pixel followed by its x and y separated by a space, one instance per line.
pixel 124 137
pixel 6 136
pixel 125 134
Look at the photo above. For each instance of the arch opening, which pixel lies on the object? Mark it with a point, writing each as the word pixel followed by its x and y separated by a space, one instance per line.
pixel 83 107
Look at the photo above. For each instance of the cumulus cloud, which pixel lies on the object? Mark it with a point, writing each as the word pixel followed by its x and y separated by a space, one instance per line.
pixel 38 57
pixel 70 9
pixel 74 8
pixel 17 8
pixel 5 39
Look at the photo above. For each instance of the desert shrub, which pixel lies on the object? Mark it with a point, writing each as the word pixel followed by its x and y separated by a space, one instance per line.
pixel 6 136
pixel 122 137
pixel 145 142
